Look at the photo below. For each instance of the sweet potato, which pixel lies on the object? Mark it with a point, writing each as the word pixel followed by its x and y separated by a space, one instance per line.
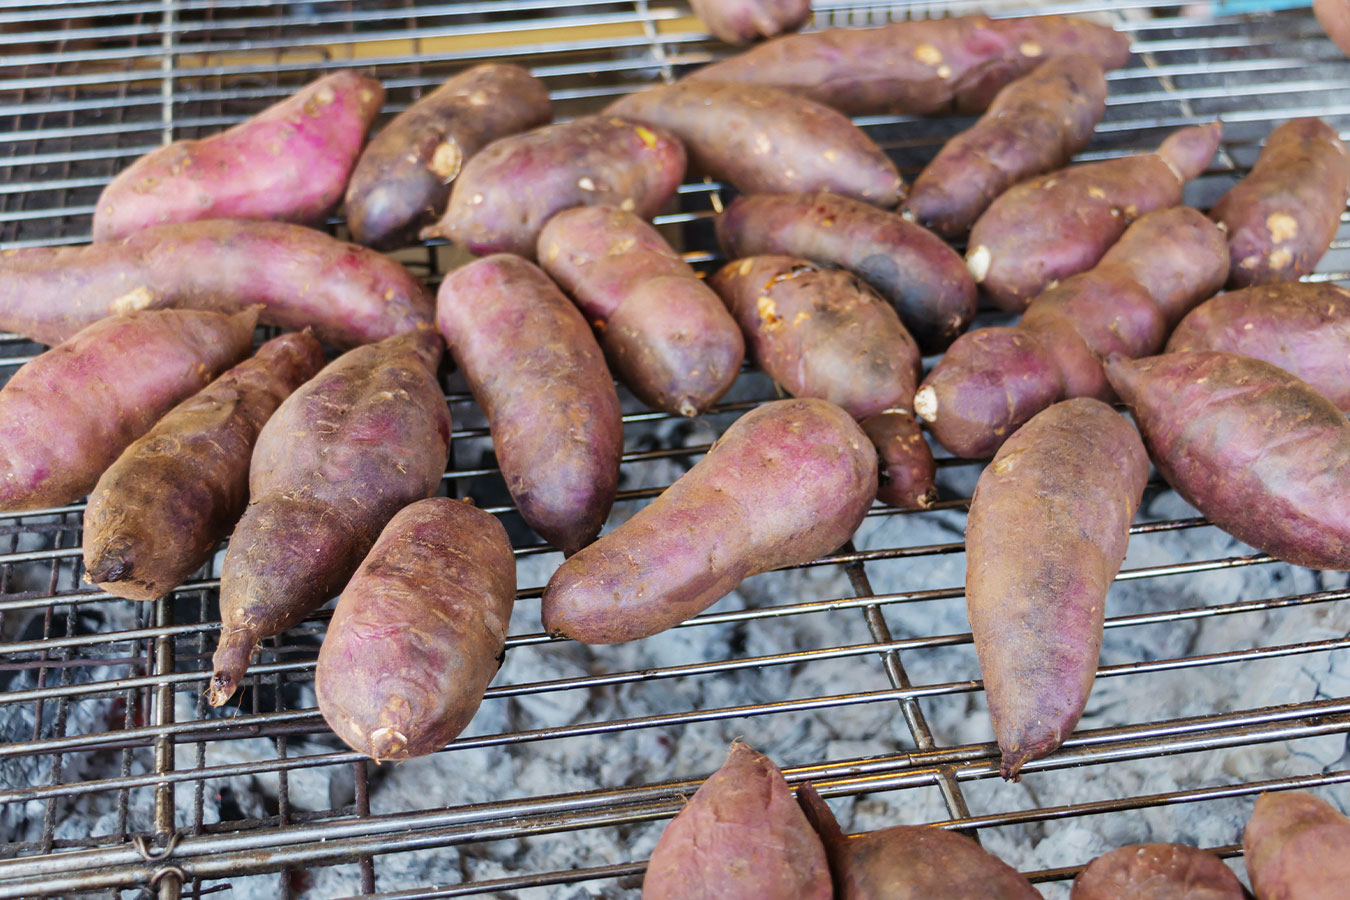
pixel 923 278
pixel 743 21
pixel 289 163
pixel 506 193
pixel 994 379
pixel 301 278
pixel 534 367
pixel 910 862
pixel 402 180
pixel 765 140
pixel 1053 226
pixel 1235 434
pixel 922 67
pixel 742 837
pixel 662 329
pixel 1283 216
pixel 159 511
pixel 1157 872
pixel 1034 125
pixel 418 632
pixel 355 444
pixel 1334 17
pixel 907 465
pixel 1297 847
pixel 67 415
pixel 787 482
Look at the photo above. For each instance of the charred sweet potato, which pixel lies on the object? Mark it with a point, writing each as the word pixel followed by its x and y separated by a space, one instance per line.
pixel 743 21
pixel 1157 872
pixel 1297 847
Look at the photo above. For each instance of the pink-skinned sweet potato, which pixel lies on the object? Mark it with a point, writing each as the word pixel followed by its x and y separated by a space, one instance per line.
pixel 402 181
pixel 1334 17
pixel 159 511
pixel 663 330
pixel 742 837
pixel 994 379
pixel 537 372
pixel 1157 872
pixel 68 414
pixel 1053 226
pixel 907 465
pixel 301 278
pixel 1235 434
pixel 1296 847
pixel 768 141
pixel 743 21
pixel 418 632
pixel 351 447
pixel 787 482
pixel 288 163
pixel 1034 125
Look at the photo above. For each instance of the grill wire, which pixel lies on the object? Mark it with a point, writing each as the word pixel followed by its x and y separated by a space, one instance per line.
pixel 89 86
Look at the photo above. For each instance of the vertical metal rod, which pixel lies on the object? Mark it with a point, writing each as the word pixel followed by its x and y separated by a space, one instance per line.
pixel 362 799
pixel 166 67
pixel 169 886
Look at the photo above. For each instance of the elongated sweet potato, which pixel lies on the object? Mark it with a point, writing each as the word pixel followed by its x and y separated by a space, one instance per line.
pixel 1297 847
pixel 302 278
pixel 506 193
pixel 923 278
pixel 158 513
pixel 907 465
pixel 742 837
pixel 289 163
pixel 920 67
pixel 1157 872
pixel 355 444
pixel 785 483
pixel 663 330
pixel 1235 434
pixel 1334 17
pixel 1048 228
pixel 1283 216
pixel 992 380
pixel 766 140
pixel 418 632
pixel 534 367
pixel 1034 125
pixel 402 180
pixel 67 415
pixel 743 21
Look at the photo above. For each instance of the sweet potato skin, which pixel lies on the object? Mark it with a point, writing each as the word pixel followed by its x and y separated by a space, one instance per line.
pixel 742 837
pixel 908 469
pixel 158 512
pixel 536 370
pixel 785 483
pixel 1157 872
pixel 288 163
pixel 67 415
pixel 418 632
pixel 743 21
pixel 402 180
pixel 1296 847
pixel 1334 17
pixel 663 330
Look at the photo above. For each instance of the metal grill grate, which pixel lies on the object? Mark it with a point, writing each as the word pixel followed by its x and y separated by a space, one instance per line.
pixel 117 780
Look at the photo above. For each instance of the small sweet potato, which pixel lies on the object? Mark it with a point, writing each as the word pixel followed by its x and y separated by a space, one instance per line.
pixel 1334 17
pixel 907 465
pixel 418 632
pixel 787 482
pixel 1234 435
pixel 663 330
pixel 742 837
pixel 158 513
pixel 1157 872
pixel 765 140
pixel 68 414
pixel 402 180
pixel 289 163
pixel 506 193
pixel 355 444
pixel 1283 216
pixel 743 21
pixel 1297 847
pixel 534 367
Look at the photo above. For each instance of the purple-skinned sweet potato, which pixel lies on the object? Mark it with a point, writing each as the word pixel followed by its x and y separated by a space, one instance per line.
pixel 300 277
pixel 663 330
pixel 288 163
pixel 1034 125
pixel 159 511
pixel 742 837
pixel 743 21
pixel 1296 847
pixel 1157 872
pixel 1236 435
pixel 418 632
pixel 908 469
pixel 537 372
pixel 1053 226
pixel 68 414
pixel 923 278
pixel 764 140
pixel 787 482
pixel 351 447
pixel 402 181
pixel 505 194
